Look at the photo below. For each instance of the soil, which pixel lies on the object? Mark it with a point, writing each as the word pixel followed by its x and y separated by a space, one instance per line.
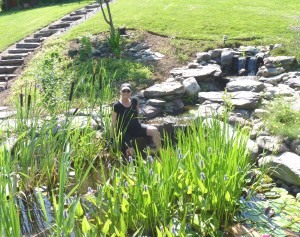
pixel 157 43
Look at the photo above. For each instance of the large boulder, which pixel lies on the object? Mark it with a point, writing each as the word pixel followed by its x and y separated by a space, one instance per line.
pixel 245 85
pixel 285 166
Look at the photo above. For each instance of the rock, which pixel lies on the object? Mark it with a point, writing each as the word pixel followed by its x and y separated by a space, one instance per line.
pixel 226 58
pixel 203 56
pixel 215 53
pixel 269 72
pixel 208 110
pixel 156 102
pixel 293 82
pixel 280 90
pixel 164 89
pixel 175 107
pixel 253 149
pixel 272 143
pixel 260 113
pixel 245 85
pixel 285 166
pixel 7 114
pixel 193 65
pixel 150 111
pixel 202 73
pixel 241 100
pixel 295 146
pixel 274 80
pixel 282 61
pixel 191 86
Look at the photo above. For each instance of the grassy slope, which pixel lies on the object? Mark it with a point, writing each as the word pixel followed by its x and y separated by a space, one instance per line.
pixel 199 19
pixel 15 25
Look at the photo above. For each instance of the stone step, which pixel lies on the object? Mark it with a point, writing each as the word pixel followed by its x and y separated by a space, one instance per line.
pixel 7 69
pixel 60 25
pixel 33 40
pixel 27 45
pixel 71 18
pixel 11 62
pixel 92 6
pixel 14 56
pixel 6 77
pixel 3 86
pixel 45 33
pixel 78 13
pixel 19 51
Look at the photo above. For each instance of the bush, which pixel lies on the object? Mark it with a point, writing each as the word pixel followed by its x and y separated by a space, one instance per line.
pixel 282 119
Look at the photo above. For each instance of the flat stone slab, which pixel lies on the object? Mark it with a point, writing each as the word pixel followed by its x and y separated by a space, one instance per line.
pixel 14 56
pixel 245 85
pixel 27 45
pixel 7 69
pixel 20 51
pixel 60 25
pixel 200 74
pixel 164 89
pixel 10 62
pixel 6 114
pixel 71 18
pixel 285 166
pixel 6 77
pixel 33 40
pixel 240 100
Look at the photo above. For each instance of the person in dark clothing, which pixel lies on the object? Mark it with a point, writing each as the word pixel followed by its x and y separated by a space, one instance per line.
pixel 126 124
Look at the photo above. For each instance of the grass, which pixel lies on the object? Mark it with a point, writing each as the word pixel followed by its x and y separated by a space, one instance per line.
pixel 257 21
pixel 16 25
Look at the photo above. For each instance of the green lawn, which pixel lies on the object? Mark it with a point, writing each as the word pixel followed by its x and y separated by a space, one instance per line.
pixel 259 20
pixel 15 25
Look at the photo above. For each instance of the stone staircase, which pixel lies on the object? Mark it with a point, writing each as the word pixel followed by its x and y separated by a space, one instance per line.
pixel 12 59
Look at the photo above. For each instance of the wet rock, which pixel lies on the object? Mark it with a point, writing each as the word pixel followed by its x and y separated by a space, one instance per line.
pixel 245 85
pixel 293 82
pixel 164 89
pixel 191 86
pixel 272 143
pixel 285 166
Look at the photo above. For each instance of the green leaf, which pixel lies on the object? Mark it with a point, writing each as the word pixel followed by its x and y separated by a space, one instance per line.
pixel 227 196
pixel 79 210
pixel 85 225
pixel 106 226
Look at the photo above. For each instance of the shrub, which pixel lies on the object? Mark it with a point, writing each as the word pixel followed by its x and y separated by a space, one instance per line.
pixel 282 119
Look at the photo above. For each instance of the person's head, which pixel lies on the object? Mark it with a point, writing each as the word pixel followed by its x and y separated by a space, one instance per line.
pixel 125 90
